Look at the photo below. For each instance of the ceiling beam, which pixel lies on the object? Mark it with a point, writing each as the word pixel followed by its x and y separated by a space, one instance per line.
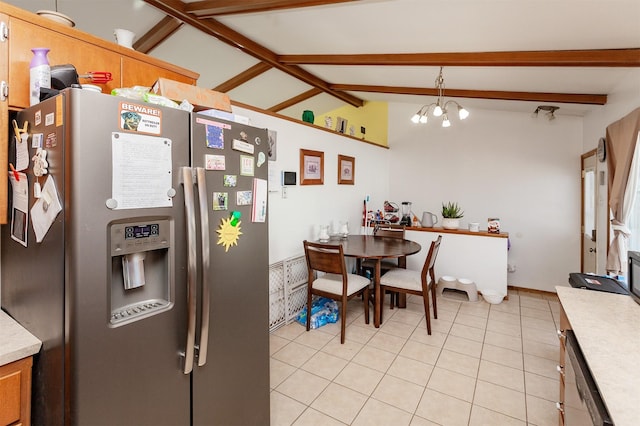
pixel 243 77
pixel 156 35
pixel 551 58
pixel 296 99
pixel 176 9
pixel 571 98
pixel 209 8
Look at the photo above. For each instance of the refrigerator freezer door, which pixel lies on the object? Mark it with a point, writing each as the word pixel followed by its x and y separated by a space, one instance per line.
pixel 129 374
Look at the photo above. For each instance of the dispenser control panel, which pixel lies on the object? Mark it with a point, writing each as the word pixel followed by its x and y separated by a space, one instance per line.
pixel 132 237
pixel 141 231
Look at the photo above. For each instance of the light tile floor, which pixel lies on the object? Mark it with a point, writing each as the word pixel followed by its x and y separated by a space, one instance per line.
pixel 483 365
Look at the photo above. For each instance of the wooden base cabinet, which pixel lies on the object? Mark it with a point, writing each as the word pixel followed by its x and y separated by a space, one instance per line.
pixel 15 393
pixel 21 30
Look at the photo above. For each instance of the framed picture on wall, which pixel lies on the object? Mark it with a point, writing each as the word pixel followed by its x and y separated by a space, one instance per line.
pixel 346 170
pixel 311 167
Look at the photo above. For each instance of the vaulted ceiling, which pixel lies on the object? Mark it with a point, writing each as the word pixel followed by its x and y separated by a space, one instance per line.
pixel 287 56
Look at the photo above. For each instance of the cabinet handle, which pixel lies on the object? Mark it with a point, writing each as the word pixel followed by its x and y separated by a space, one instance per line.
pixel 4 31
pixel 4 90
pixel 560 369
pixel 559 406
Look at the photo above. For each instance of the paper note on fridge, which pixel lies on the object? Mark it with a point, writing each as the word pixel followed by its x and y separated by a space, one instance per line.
pixel 141 171
pixel 259 210
pixel 19 213
pixel 22 154
pixel 45 209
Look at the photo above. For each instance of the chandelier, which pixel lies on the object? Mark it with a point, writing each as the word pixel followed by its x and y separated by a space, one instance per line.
pixel 440 107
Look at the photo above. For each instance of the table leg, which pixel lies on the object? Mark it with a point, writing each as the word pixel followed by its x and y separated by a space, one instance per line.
pixel 377 317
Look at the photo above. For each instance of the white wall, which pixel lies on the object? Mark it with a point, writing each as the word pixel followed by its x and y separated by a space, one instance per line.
pixel 623 99
pixel 297 217
pixel 509 165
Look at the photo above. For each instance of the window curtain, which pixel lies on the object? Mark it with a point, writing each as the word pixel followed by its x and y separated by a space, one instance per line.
pixel 622 161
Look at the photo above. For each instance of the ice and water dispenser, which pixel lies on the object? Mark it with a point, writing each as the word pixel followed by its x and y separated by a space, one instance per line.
pixel 141 264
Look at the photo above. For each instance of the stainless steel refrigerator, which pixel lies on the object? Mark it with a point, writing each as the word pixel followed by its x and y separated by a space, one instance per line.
pixel 148 282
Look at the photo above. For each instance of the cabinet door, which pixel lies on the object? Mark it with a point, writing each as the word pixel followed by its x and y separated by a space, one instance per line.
pixel 145 73
pixel 4 119
pixel 64 49
pixel 15 392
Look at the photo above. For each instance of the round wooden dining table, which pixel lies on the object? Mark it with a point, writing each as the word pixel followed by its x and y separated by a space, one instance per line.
pixel 376 248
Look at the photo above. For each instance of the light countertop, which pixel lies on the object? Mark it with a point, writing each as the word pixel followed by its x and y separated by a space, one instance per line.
pixel 17 343
pixel 607 327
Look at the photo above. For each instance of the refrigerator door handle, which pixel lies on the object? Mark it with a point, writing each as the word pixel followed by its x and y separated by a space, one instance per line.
pixel 204 230
pixel 192 273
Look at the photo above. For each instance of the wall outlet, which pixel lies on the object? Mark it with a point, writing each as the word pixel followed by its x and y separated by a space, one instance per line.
pixel 511 267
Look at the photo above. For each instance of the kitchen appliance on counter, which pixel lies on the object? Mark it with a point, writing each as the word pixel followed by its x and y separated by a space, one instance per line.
pixel 596 282
pixel 147 315
pixel 406 213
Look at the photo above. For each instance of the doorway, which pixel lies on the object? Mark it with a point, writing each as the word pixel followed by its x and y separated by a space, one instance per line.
pixel 588 258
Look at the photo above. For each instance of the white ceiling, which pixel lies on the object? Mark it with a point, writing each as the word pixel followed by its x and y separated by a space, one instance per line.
pixel 385 27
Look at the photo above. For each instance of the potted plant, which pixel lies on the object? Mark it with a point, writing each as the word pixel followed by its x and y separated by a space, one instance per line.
pixel 451 214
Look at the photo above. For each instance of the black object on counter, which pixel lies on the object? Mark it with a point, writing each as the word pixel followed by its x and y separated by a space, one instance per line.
pixel 63 76
pixel 596 282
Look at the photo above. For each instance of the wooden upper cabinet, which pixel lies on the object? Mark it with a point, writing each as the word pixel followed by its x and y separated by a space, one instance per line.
pixel 136 72
pixel 67 45
pixel 63 49
pixel 82 50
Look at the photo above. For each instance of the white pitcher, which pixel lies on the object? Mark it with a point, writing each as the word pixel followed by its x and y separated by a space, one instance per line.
pixel 428 220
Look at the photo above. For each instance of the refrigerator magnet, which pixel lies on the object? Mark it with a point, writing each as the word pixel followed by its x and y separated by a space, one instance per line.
pixel 214 162
pixel 230 180
pixel 244 198
pixel 242 146
pixel 220 200
pixel 246 165
pixel 229 234
pixel 215 137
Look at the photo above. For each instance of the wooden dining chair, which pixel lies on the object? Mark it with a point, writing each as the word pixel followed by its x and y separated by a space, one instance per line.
pixel 391 231
pixel 328 277
pixel 420 283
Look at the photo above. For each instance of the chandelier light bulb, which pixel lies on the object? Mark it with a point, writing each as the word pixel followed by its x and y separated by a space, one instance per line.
pixel 423 119
pixel 437 111
pixel 445 121
pixel 416 118
pixel 462 113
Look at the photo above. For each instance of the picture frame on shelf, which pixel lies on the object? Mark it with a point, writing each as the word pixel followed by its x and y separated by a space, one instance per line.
pixel 341 125
pixel 311 167
pixel 346 170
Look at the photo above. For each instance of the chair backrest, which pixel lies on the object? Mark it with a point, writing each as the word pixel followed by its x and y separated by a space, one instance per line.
pixel 393 231
pixel 328 258
pixel 430 261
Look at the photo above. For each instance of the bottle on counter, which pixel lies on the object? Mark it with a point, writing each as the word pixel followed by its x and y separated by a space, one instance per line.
pixel 39 74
